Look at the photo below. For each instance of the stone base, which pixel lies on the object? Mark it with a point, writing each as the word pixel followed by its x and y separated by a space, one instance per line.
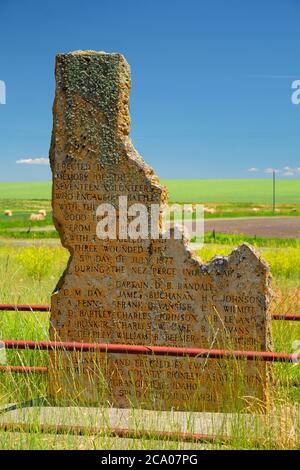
pixel 220 424
pixel 94 427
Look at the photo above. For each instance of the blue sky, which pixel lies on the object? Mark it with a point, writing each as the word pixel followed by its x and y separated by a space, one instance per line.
pixel 211 93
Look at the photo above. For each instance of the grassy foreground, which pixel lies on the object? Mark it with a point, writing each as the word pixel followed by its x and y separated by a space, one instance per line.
pixel 28 275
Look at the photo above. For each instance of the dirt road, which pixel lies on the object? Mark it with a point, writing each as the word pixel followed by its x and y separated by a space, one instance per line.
pixel 281 227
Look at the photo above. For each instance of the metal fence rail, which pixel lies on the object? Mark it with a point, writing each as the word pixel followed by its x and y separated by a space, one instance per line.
pixel 25 308
pixel 116 432
pixel 151 350
pixel 128 349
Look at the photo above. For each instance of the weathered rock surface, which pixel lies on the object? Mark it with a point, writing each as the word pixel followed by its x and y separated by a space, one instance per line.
pixel 150 291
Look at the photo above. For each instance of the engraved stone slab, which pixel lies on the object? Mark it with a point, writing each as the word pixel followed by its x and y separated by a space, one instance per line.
pixel 149 291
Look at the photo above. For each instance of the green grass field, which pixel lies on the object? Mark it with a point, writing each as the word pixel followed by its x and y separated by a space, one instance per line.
pixel 222 198
pixel 222 190
pixel 29 275
pixel 233 190
pixel 35 190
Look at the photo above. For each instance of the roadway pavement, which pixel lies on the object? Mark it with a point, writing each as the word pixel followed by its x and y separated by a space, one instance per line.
pixel 279 227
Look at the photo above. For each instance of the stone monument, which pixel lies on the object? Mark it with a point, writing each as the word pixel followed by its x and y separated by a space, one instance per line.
pixel 149 290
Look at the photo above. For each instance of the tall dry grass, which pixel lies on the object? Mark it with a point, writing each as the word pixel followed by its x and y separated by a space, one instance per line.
pixel 28 275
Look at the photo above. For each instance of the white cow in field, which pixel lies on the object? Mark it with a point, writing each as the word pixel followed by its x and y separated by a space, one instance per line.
pixel 8 213
pixel 36 217
pixel 43 212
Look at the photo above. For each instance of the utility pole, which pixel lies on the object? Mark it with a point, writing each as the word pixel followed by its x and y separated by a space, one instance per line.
pixel 274 190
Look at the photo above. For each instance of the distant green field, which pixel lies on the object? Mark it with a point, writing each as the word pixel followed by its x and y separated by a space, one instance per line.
pixel 37 190
pixel 233 190
pixel 222 190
